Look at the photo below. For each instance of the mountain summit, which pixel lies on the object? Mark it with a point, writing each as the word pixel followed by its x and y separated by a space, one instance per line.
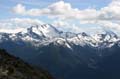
pixel 46 34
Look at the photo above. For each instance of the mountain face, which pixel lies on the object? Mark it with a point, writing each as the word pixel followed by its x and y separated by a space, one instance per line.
pixel 14 68
pixel 66 55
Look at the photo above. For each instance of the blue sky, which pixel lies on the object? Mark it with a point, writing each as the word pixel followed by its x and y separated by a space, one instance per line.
pixel 69 15
pixel 6 5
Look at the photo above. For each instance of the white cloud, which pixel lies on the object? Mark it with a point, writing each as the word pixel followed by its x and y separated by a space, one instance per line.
pixel 67 26
pixel 59 9
pixel 17 24
pixel 110 25
pixel 26 21
pixel 12 30
pixel 19 9
pixel 111 12
pixel 62 10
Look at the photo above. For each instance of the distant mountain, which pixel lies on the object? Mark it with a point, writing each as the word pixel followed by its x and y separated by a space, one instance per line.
pixel 65 55
pixel 46 34
pixel 14 68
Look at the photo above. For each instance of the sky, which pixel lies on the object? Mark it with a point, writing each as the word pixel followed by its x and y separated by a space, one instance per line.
pixel 67 15
pixel 6 5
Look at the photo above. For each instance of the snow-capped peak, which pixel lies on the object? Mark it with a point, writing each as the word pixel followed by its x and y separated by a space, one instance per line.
pixel 46 33
pixel 45 30
pixel 106 36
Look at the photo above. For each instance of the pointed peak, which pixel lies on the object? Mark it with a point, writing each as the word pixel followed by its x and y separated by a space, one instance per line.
pixel 84 34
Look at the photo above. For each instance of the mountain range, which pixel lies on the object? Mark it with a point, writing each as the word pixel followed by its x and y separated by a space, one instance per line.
pixel 66 55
